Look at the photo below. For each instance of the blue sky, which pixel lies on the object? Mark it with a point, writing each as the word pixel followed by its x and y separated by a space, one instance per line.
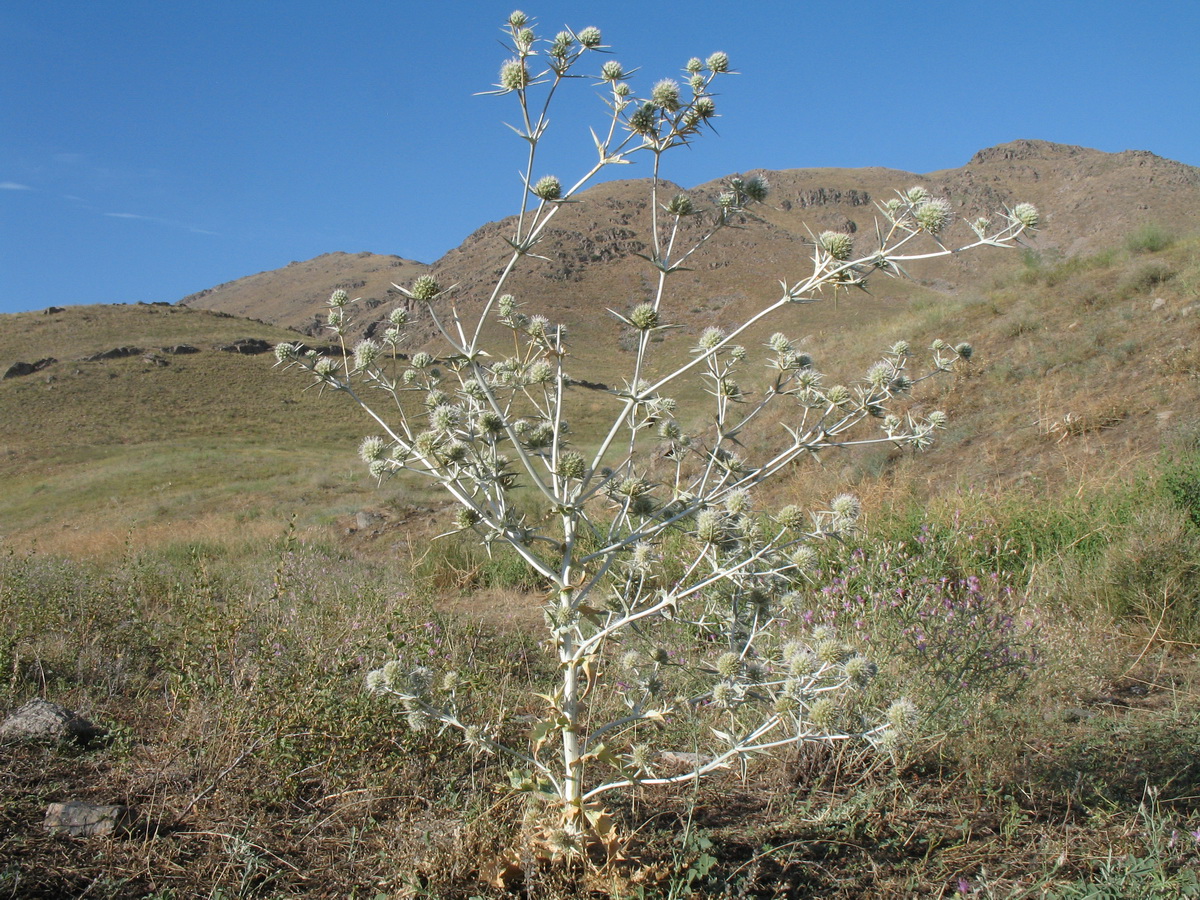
pixel 149 150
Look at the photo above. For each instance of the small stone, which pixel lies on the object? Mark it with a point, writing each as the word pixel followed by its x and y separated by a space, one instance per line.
pixel 79 819
pixel 41 720
pixel 1158 304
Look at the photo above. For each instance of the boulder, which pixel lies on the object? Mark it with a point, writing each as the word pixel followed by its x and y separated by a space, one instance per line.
pixel 80 819
pixel 41 720
pixel 114 353
pixel 247 346
pixel 16 370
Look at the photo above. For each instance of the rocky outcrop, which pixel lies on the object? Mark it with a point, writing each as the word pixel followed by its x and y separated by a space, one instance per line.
pixel 247 346
pixel 16 370
pixel 114 353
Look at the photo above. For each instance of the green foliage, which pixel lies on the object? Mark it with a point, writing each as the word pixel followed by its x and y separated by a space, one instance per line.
pixel 1149 238
pixel 1145 278
pixel 1181 480
pixel 940 612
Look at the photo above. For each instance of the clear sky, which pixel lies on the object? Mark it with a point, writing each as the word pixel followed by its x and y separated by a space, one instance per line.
pixel 149 150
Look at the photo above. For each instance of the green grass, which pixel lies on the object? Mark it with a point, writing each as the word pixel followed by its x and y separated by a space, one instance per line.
pixel 233 670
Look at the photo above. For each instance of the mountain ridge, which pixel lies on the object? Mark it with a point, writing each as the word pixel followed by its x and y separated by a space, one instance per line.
pixel 1088 199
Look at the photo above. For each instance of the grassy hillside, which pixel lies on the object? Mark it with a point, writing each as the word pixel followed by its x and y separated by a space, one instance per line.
pixel 1082 367
pixel 160 445
pixel 1032 582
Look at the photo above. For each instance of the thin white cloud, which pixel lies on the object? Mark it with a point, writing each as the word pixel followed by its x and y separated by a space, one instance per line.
pixel 13 186
pixel 169 223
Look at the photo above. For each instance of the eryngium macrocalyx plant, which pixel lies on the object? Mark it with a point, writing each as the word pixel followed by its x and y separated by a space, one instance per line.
pixel 651 530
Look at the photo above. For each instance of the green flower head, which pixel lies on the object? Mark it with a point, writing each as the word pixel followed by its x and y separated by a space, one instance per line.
pixel 837 244
pixel 718 62
pixel 548 188
pixel 425 287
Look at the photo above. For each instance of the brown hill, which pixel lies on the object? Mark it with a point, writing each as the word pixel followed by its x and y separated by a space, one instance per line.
pixel 293 295
pixel 1090 200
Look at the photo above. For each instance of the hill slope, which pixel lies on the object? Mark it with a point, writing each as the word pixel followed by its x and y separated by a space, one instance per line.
pixel 1089 200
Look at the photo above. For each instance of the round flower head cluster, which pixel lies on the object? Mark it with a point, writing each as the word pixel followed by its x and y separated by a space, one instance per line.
pixel 513 75
pixel 371 449
pixel 838 395
pixel 325 368
pixel 571 465
pixel 916 194
pixel 965 350
pixel 643 120
pixel 644 317
pixel 465 518
pixel 562 43
pixel 704 107
pixel 879 375
pixel 837 244
pixel 824 714
pixel 540 372
pixel 729 665
pixel 639 757
pixel 681 205
pixel 366 354
pixel 933 215
pixel 805 558
pixel 339 298
pixel 490 422
pixel 548 188
pixel 792 517
pixel 665 94
pixel 846 507
pixel 902 715
pixel 285 352
pixel 710 526
pixel 711 337
pixel 1027 215
pixel 425 287
pixel 724 695
pixel 859 670
pixel 612 71
pixel 756 188
pixel 590 37
pixel 518 19
pixel 738 502
pixel 718 62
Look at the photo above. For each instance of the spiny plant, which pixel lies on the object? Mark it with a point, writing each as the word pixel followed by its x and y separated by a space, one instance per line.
pixel 671 594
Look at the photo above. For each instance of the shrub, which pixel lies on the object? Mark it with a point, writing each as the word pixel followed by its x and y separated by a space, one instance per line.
pixel 1149 238
pixel 653 531
pixel 954 638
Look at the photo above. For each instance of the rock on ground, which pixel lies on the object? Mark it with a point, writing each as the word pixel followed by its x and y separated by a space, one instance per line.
pixel 41 720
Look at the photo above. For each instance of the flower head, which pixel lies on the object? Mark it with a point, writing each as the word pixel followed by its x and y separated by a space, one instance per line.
pixel 1027 215
pixel 513 75
pixel 837 244
pixel 425 287
pixel 718 62
pixel 548 188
